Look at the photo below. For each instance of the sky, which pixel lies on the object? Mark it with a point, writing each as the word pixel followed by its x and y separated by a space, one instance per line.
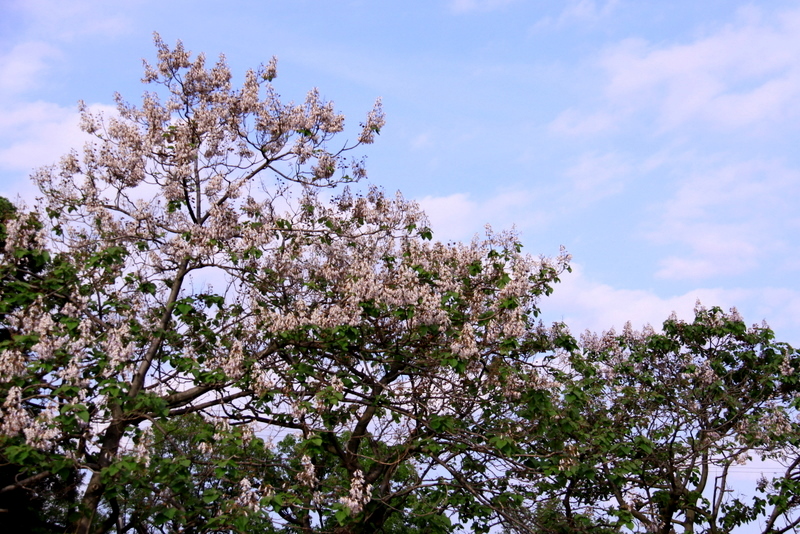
pixel 655 140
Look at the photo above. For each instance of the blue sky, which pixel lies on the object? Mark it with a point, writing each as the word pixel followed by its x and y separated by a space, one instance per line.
pixel 655 140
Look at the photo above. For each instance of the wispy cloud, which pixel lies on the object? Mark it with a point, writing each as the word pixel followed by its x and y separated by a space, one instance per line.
pixel 729 220
pixel 464 6
pixel 459 216
pixel 594 177
pixel 22 67
pixel 66 20
pixel 584 304
pixel 36 134
pixel 578 11
pixel 588 9
pixel 573 122
pixel 742 75
pixel 597 175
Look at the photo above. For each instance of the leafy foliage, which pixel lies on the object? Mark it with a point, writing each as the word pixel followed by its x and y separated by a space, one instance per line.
pixel 651 427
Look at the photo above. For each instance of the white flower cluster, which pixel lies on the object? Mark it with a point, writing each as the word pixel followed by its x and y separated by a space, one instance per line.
pixel 249 497
pixel 337 384
pixel 375 121
pixel 307 476
pixel 12 363
pixel 786 366
pixel 569 460
pixel 777 422
pixel 141 450
pixel 231 361
pixel 704 374
pixel 742 459
pixel 360 493
pixel 223 428
pixel 15 417
pixel 465 346
pixel 43 430
pixel 21 234
pixel 119 349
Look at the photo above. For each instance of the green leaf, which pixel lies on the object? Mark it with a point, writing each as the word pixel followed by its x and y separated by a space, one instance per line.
pixel 183 308
pixel 148 288
pixel 341 516
pixel 210 495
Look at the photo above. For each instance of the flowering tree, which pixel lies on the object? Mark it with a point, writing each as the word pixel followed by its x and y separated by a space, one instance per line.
pixel 45 509
pixel 648 430
pixel 335 365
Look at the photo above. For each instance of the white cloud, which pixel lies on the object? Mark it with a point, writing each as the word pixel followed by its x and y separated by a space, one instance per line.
pixel 578 11
pixel 596 176
pixel 459 217
pixel 583 303
pixel 573 122
pixel 21 68
pixel 422 141
pixel 732 259
pixel 745 73
pixel 65 20
pixel 464 6
pixel 731 219
pixel 588 9
pixel 42 133
pixel 36 134
pixel 451 217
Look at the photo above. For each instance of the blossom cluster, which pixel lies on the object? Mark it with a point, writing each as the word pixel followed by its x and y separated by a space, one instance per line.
pixel 360 493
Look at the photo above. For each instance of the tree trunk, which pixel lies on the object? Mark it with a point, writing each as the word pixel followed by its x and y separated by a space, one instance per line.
pixel 96 488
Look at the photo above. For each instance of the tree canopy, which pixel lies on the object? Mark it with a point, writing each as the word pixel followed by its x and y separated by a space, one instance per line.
pixel 209 326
